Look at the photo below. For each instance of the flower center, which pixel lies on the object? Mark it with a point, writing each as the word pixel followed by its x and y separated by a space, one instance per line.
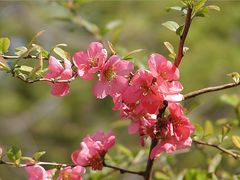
pixel 109 74
pixel 93 61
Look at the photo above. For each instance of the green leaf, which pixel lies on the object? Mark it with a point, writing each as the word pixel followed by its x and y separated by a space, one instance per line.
pixel 171 25
pixel 133 52
pixel 232 100
pixel 4 45
pixel 170 47
pixel 236 141
pixel 179 30
pixel 214 163
pixel 208 128
pixel 202 13
pixel 199 5
pixel 38 155
pixel 60 52
pixel 4 65
pixel 198 131
pixel 225 130
pixel 20 50
pixel 214 7
pixel 14 154
pixel 24 68
pixel 235 76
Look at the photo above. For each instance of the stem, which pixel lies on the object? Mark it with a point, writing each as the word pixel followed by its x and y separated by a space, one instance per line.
pixel 222 149
pixel 148 170
pixel 122 171
pixel 180 53
pixel 210 89
pixel 6 57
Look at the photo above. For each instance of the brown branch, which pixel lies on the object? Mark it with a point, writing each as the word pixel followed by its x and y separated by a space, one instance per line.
pixel 210 89
pixel 188 21
pixel 122 171
pixel 222 149
pixel 6 57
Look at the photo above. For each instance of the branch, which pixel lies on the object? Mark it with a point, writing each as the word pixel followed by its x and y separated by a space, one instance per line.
pixel 210 89
pixel 122 171
pixel 188 21
pixel 6 57
pixel 36 163
pixel 222 149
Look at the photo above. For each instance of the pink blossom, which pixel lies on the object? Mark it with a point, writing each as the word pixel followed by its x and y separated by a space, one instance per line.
pixel 69 173
pixel 173 131
pixel 112 78
pixel 56 71
pixel 160 67
pixel 93 149
pixel 37 172
pixel 143 88
pixel 89 62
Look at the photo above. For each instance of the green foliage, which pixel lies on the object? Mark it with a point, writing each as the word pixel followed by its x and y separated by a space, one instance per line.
pixel 14 154
pixel 196 174
pixel 4 45
pixel 38 155
pixel 171 25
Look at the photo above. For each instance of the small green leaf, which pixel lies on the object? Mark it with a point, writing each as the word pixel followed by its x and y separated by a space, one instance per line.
pixel 14 154
pixel 4 65
pixel 214 7
pixel 236 141
pixel 24 68
pixel 203 12
pixel 45 54
pixel 60 52
pixel 20 50
pixel 179 30
pixel 214 163
pixel 4 45
pixel 208 128
pixel 170 47
pixel 38 155
pixel 199 5
pixel 225 130
pixel 235 76
pixel 171 25
pixel 198 131
pixel 133 52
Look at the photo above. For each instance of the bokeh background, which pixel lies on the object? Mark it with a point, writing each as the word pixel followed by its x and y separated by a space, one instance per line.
pixel 34 120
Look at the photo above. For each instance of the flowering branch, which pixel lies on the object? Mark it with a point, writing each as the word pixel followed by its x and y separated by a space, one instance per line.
pixel 210 89
pixel 188 21
pixel 222 149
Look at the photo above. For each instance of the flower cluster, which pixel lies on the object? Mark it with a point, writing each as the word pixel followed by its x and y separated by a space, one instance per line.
pixel 91 153
pixel 139 96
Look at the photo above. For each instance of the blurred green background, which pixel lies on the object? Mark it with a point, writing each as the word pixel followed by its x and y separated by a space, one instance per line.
pixel 34 120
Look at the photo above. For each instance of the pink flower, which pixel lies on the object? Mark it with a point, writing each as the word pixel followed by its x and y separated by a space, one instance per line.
pixel 93 149
pixel 91 61
pixel 37 172
pixel 112 77
pixel 174 131
pixel 160 67
pixel 69 173
pixel 56 71
pixel 143 89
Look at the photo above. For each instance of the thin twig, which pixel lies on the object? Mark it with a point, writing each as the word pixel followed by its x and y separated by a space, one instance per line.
pixel 122 171
pixel 210 89
pixel 222 149
pixel 6 57
pixel 188 21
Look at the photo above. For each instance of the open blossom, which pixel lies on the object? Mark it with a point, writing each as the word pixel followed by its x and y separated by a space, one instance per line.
pixel 93 149
pixel 70 173
pixel 37 172
pixel 57 71
pixel 143 88
pixel 112 78
pixel 173 131
pixel 162 68
pixel 89 62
